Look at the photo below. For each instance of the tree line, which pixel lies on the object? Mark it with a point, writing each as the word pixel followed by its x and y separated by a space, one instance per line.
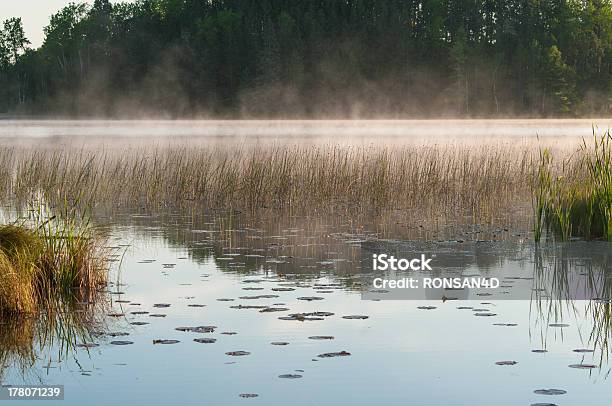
pixel 313 59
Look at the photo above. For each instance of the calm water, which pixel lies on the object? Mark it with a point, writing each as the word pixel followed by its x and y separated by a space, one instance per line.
pixel 211 269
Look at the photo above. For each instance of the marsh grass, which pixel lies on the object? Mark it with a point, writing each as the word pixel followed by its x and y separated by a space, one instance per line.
pixel 47 259
pixel 458 179
pixel 575 198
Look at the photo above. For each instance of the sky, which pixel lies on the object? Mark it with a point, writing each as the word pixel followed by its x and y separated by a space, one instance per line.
pixel 35 14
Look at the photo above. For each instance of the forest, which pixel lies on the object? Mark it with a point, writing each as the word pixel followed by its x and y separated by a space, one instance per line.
pixel 313 59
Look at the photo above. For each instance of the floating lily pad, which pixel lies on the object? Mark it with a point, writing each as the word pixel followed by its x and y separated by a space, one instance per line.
pixel 334 354
pixel 139 323
pixel 549 392
pixel 300 317
pixel 242 307
pixel 205 340
pixel 166 341
pixel 581 350
pixel 273 309
pixel 506 363
pixel 157 315
pixel 318 314
pixel 196 305
pixel 237 353
pixel 121 342
pixel 279 343
pixel 465 308
pixel 355 317
pixel 229 333
pixel 539 351
pixel 117 334
pixel 485 314
pixel 310 298
pixel 88 345
pixel 198 329
pixel 248 395
pixel 162 305
pixel 321 337
pixel 258 297
pixel 584 366
pixel 283 289
pixel 505 324
pixel 426 307
pixel 137 313
pixel 290 376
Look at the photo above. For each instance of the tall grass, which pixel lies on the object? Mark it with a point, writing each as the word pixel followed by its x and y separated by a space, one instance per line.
pixel 575 198
pixel 272 176
pixel 45 258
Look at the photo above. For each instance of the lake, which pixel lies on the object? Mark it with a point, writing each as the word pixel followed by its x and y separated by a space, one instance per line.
pixel 217 305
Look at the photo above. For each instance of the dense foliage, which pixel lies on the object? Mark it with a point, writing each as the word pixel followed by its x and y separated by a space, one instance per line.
pixel 314 58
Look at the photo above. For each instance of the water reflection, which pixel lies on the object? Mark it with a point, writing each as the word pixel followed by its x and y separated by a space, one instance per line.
pixel 283 293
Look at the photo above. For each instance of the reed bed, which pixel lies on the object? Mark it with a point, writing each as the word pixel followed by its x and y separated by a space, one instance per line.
pixel 573 198
pixel 286 176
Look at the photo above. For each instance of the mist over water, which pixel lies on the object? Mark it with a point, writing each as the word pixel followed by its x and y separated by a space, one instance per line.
pixel 553 132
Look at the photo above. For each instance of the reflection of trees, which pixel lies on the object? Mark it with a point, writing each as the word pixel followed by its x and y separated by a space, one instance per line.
pixel 307 247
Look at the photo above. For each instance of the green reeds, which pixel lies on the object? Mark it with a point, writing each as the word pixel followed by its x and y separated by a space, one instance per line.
pixel 575 199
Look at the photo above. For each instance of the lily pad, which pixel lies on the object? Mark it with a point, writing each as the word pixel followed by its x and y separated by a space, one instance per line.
pixel 121 342
pixel 88 345
pixel 355 317
pixel 310 298
pixel 549 392
pixel 237 353
pixel 584 366
pixel 321 337
pixel 205 340
pixel 279 343
pixel 506 363
pixel 198 329
pixel 166 341
pixel 273 309
pixel 248 395
pixel 290 376
pixel 334 354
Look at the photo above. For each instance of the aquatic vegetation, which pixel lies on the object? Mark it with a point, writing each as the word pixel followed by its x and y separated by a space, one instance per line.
pixel 574 199
pixel 293 176
pixel 49 259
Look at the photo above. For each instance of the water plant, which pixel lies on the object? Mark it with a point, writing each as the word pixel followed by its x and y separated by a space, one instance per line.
pixel 574 199
pixel 47 259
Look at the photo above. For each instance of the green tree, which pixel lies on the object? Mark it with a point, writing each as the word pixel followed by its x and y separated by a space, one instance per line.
pixel 13 40
pixel 559 82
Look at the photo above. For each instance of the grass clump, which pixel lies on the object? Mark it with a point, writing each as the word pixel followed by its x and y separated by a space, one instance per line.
pixel 575 199
pixel 47 260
